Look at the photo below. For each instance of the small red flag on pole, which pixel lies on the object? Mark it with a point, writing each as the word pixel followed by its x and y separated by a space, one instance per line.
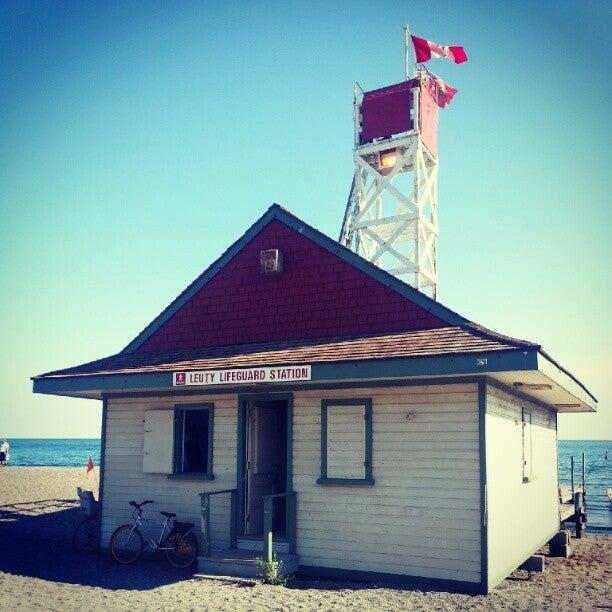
pixel 90 464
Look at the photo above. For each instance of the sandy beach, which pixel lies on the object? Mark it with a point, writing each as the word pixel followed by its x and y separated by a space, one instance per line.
pixel 38 569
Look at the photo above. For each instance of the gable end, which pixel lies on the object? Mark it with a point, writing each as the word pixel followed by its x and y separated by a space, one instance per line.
pixel 325 290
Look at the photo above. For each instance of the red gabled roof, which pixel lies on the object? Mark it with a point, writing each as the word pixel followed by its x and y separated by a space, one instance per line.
pixel 328 304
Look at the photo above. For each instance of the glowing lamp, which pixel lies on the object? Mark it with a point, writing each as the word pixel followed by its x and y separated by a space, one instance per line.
pixel 387 160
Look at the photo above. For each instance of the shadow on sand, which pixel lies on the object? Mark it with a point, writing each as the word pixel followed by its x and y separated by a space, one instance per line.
pixel 36 541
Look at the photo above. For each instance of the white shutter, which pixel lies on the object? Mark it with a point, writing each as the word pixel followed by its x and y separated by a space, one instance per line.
pixel 346 432
pixel 158 442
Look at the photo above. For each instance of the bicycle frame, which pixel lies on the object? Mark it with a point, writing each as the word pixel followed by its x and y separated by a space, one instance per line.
pixel 139 522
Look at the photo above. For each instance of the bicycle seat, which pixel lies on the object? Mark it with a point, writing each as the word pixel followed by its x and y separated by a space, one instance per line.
pixel 168 514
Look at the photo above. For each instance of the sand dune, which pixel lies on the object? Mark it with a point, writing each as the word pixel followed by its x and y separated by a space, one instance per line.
pixel 38 569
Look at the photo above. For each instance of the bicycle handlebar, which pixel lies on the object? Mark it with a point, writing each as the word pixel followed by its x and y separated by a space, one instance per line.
pixel 139 505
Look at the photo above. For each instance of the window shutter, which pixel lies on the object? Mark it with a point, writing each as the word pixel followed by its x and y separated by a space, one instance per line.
pixel 346 435
pixel 158 442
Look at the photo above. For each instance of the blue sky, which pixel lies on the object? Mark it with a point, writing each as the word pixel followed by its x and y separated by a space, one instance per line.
pixel 138 140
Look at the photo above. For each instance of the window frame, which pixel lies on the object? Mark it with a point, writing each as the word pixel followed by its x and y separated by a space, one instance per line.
pixel 180 409
pixel 326 405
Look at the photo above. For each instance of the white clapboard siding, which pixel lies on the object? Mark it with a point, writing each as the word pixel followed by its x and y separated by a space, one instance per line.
pixel 157 455
pixel 521 515
pixel 124 478
pixel 346 441
pixel 422 515
pixel 421 518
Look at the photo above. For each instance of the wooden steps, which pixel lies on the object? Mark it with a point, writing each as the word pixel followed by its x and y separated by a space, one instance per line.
pixel 241 563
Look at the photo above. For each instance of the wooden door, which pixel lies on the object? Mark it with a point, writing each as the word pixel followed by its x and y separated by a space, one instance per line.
pixel 265 461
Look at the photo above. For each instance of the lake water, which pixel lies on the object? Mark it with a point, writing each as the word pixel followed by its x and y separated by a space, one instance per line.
pixel 58 452
pixel 598 477
pixel 75 452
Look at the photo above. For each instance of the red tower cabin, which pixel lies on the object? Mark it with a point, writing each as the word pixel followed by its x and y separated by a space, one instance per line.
pixel 391 110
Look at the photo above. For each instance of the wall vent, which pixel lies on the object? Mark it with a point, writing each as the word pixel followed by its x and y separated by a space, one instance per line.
pixel 271 261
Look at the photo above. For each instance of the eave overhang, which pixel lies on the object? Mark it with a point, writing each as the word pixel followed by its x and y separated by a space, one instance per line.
pixel 507 366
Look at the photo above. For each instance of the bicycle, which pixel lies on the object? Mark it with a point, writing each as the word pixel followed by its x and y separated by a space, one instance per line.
pixel 86 536
pixel 179 543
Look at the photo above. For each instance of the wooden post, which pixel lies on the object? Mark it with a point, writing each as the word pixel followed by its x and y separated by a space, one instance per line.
pixel 291 511
pixel 233 519
pixel 583 473
pixel 572 473
pixel 205 502
pixel 579 513
pixel 267 528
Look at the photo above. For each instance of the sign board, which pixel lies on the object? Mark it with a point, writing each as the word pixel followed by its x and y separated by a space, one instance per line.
pixel 278 374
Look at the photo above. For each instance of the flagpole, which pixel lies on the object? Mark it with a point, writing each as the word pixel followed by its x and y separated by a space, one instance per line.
pixel 407 42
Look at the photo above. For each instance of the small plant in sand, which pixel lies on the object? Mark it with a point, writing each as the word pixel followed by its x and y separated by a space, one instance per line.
pixel 271 572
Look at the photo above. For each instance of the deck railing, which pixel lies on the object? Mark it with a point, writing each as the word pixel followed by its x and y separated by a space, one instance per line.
pixel 205 501
pixel 268 522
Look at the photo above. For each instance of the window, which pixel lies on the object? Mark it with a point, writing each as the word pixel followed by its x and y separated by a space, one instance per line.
pixel 346 442
pixel 527 446
pixel 193 441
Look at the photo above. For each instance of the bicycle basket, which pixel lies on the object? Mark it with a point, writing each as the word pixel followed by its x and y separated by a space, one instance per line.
pixel 88 502
pixel 181 528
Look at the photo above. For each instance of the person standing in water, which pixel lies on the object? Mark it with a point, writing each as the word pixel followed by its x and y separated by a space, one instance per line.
pixel 4 452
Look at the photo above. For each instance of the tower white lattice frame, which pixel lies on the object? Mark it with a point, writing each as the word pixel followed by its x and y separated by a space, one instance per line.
pixel 391 217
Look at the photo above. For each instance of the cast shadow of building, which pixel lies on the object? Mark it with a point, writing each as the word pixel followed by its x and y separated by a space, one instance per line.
pixel 36 541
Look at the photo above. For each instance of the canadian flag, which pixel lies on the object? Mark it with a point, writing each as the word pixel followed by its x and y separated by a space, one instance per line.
pixel 425 50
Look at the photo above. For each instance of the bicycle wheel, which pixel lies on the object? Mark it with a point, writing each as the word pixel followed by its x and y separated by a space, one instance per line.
pixel 184 549
pixel 126 544
pixel 86 537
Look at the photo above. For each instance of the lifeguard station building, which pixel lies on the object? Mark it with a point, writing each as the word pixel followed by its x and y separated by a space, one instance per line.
pixel 311 395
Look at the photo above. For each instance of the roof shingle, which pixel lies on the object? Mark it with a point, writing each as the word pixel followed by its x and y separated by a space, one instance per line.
pixel 440 341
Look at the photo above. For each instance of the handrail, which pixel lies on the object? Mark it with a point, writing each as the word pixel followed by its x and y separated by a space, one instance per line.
pixel 205 503
pixel 209 493
pixel 268 522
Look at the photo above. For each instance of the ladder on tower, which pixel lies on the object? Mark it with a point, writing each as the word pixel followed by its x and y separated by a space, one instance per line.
pixel 346 235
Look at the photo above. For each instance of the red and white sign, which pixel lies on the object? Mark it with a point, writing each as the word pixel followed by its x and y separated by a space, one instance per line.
pixel 278 374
